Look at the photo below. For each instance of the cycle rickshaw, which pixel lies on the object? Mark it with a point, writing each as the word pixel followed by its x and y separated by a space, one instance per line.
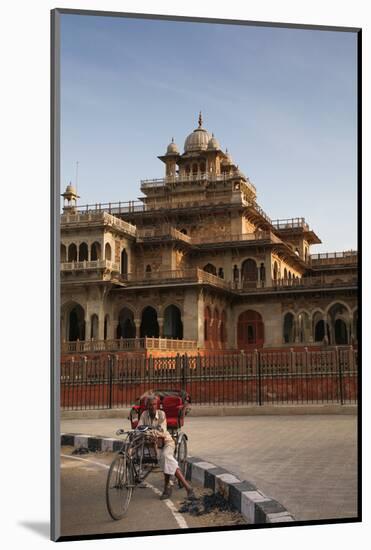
pixel 138 455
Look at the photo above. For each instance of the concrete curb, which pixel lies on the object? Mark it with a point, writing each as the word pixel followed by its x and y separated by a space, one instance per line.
pixel 242 495
pixel 223 410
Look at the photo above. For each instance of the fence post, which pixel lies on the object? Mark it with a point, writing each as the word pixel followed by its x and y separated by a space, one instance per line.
pixel 150 369
pixel 339 368
pixel 185 366
pixel 258 370
pixel 110 382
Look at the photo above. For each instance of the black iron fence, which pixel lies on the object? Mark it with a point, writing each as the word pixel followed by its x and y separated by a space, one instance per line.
pixel 258 377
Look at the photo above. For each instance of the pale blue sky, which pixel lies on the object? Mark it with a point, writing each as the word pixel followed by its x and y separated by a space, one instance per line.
pixel 282 100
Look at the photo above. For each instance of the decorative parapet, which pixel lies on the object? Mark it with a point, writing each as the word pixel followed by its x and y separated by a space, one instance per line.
pixel 348 257
pixel 89 265
pixel 97 218
pixel 128 344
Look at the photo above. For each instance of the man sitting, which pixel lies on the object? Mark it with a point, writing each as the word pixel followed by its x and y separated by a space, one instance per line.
pixel 156 419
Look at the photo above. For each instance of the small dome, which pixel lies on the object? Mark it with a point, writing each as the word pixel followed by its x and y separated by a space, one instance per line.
pixel 70 190
pixel 198 139
pixel 172 148
pixel 213 143
pixel 227 160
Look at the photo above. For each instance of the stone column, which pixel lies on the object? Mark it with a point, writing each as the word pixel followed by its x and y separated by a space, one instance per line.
pixel 137 322
pixel 160 321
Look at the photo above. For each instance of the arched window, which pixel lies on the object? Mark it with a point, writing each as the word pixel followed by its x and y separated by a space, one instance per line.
pixel 203 167
pixel 124 262
pixel 194 168
pixel 173 326
pixel 249 272
pixel 221 272
pixel 95 251
pixel 108 252
pixel 285 273
pixel 187 169
pixel 288 328
pixel 250 330
pixel 210 268
pixel 63 253
pixel 126 326
pixel 72 253
pixel 289 275
pixel 83 252
pixel 149 325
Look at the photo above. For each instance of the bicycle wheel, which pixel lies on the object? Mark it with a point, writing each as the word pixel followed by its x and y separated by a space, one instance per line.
pixel 119 487
pixel 181 455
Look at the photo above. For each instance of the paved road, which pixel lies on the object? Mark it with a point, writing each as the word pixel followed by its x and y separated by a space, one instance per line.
pixel 308 463
pixel 83 507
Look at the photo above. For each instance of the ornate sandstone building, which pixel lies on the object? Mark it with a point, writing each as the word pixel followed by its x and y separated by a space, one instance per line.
pixel 197 264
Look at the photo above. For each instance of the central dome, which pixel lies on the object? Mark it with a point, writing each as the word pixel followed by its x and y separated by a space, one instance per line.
pixel 198 139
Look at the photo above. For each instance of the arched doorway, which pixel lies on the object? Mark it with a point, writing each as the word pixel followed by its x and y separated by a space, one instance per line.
pixel 173 326
pixel 288 328
pixel 149 325
pixel 339 320
pixel 249 272
pixel 223 329
pixel 250 329
pixel 126 326
pixel 341 333
pixel 207 327
pixel 124 262
pixel 76 324
pixel 210 268
pixel 106 327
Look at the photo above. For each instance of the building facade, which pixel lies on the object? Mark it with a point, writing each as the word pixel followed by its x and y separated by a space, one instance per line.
pixel 197 264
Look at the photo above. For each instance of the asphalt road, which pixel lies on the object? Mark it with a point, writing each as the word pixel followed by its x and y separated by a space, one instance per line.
pixel 83 506
pixel 306 462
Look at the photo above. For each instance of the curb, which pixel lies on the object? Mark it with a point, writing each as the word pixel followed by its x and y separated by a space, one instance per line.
pixel 223 410
pixel 242 495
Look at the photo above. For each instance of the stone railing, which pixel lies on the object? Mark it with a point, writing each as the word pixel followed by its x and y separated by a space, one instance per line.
pixel 241 237
pixel 198 177
pixel 334 258
pixel 191 275
pixel 160 233
pixel 128 344
pixel 290 223
pixel 89 265
pixel 96 217
pixel 292 284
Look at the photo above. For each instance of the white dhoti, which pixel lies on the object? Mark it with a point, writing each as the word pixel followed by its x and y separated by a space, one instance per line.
pixel 167 462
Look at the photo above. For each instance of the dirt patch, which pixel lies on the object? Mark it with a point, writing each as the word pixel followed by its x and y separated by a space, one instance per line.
pixel 211 509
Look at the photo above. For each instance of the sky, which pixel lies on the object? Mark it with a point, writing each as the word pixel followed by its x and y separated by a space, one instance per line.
pixel 283 101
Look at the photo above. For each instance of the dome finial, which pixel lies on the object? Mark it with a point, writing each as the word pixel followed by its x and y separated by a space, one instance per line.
pixel 200 120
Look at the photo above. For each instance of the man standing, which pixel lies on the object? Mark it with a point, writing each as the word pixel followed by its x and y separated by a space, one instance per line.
pixel 156 419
